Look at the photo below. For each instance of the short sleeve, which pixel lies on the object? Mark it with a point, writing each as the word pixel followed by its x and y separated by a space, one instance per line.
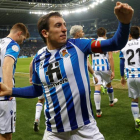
pixel 13 50
pixel 121 54
pixel 35 76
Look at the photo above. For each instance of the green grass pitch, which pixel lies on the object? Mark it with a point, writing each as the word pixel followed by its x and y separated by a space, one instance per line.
pixel 116 122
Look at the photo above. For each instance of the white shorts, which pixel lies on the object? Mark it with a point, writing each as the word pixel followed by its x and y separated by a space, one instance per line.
pixel 133 87
pixel 103 76
pixel 86 132
pixel 41 97
pixel 7 116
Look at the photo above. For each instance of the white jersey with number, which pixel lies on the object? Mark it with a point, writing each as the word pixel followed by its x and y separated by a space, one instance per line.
pixel 100 61
pixel 131 54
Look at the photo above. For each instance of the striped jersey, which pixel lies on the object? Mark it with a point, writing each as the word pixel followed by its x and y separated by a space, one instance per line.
pixel 100 62
pixel 131 54
pixel 8 47
pixel 63 75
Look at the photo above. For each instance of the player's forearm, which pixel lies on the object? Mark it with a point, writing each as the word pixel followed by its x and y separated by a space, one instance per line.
pixel 118 41
pixel 90 67
pixel 31 69
pixel 8 75
pixel 111 60
pixel 27 92
pixel 122 67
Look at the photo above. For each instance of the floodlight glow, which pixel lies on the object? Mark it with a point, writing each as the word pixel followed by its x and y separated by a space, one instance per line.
pixel 78 10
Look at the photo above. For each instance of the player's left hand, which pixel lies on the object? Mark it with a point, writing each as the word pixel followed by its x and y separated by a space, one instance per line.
pixel 123 12
pixel 123 81
pixel 4 90
pixel 112 75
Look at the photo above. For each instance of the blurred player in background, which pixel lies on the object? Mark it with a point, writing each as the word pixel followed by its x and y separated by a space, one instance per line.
pixel 130 58
pixel 9 51
pixel 39 105
pixel 103 65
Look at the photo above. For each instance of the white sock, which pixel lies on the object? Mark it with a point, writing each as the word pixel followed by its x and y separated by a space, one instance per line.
pixel 135 110
pixel 39 107
pixel 97 100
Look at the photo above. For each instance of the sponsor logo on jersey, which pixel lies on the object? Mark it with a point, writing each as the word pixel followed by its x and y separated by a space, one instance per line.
pixel 64 53
pixel 15 48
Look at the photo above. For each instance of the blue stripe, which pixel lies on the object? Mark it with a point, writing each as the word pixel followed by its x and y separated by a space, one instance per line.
pixel 97 61
pixel 80 85
pixel 57 110
pixel 110 90
pixel 68 97
pixel 107 64
pixel 46 62
pixel 102 61
pixel 97 91
pixel 93 64
pixel 134 105
pixel 132 69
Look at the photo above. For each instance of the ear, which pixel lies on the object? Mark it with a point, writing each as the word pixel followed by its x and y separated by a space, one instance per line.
pixel 19 33
pixel 44 33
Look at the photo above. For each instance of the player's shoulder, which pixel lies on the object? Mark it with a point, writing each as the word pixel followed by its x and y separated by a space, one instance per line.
pixel 41 50
pixel 12 45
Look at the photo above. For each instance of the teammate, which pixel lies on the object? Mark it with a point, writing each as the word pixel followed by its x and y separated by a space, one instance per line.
pixel 9 50
pixel 39 105
pixel 103 66
pixel 60 71
pixel 76 31
pixel 130 57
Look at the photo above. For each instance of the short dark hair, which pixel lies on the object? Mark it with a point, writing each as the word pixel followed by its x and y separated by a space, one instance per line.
pixel 43 22
pixel 101 32
pixel 134 32
pixel 21 27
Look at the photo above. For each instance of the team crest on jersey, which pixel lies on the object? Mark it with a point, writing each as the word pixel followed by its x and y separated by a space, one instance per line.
pixel 64 53
pixel 15 48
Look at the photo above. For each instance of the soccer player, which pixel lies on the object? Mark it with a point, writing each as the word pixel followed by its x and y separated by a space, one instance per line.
pixel 130 58
pixel 39 105
pixel 9 50
pixel 103 66
pixel 76 31
pixel 60 72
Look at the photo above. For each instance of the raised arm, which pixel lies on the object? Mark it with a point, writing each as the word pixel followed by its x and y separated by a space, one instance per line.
pixel 124 14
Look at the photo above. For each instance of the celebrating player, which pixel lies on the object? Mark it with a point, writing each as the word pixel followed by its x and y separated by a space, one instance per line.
pixel 130 58
pixel 60 71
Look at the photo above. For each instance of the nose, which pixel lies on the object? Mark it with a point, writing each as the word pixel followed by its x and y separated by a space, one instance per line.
pixel 64 28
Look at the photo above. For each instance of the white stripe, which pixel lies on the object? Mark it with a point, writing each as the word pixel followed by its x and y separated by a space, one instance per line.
pixel 85 82
pixel 74 90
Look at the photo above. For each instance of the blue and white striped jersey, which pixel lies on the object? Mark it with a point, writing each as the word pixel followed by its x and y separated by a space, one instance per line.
pixel 100 62
pixel 8 47
pixel 131 54
pixel 63 75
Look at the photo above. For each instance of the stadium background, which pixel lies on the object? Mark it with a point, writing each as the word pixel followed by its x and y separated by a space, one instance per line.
pixel 116 122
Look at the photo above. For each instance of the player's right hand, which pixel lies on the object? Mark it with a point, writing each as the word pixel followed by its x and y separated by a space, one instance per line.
pixel 96 80
pixel 4 90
